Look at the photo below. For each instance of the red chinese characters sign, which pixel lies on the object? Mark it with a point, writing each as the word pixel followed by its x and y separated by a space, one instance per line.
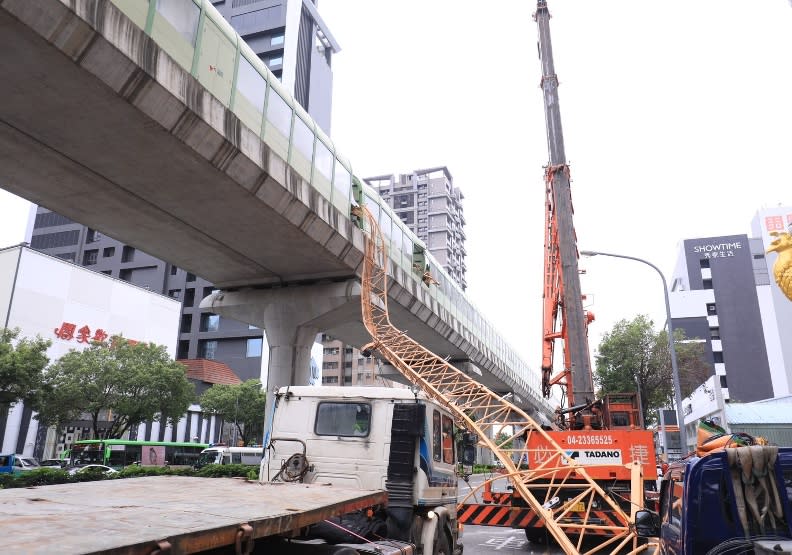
pixel 68 331
pixel 776 223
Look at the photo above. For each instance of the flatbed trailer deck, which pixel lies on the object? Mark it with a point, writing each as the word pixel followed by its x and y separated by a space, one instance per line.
pixel 172 514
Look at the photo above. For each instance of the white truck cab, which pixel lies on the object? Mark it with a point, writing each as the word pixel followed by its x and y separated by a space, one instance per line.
pixel 372 438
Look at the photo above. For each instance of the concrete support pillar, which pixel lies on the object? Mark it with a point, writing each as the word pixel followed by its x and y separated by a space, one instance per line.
pixel 291 317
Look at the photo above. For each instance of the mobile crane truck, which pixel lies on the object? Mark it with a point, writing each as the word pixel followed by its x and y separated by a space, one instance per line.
pixel 605 435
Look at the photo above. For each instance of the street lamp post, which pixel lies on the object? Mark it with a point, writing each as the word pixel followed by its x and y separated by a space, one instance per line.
pixel 671 347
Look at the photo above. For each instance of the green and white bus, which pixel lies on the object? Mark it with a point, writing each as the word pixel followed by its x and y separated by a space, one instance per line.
pixel 118 453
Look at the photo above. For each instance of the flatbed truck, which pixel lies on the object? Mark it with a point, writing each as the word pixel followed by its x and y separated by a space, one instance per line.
pixel 348 471
pixel 168 514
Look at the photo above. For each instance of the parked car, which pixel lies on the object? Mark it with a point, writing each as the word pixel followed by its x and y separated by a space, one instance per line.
pixel 14 464
pixel 52 463
pixel 93 468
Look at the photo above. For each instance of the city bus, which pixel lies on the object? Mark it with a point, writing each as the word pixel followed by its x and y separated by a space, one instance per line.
pixel 118 453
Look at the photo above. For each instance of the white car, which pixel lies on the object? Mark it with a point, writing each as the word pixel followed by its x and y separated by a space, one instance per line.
pixel 93 468
pixel 22 464
pixel 52 463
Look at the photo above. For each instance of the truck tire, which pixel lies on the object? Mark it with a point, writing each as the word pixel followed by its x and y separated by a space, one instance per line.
pixel 536 535
pixel 442 545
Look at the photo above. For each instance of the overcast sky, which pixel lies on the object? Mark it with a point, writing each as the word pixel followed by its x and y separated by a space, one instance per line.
pixel 677 121
pixel 676 116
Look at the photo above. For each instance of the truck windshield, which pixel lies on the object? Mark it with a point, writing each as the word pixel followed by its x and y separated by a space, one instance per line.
pixel 343 419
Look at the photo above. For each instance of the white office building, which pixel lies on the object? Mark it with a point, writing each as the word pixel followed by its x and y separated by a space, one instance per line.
pixel 723 294
pixel 70 306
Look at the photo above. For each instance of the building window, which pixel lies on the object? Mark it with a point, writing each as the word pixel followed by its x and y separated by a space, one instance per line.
pixel 407 217
pixel 704 262
pixel 723 382
pixel 711 310
pixel 208 349
pixel 717 356
pixel 276 40
pixel 329 366
pixel 254 347
pixel 128 254
pixel 210 322
pixel 174 293
pixel 190 276
pixel 403 201
pixel 108 252
pixel 714 333
pixel 92 236
pixel 707 284
pixel 329 379
pixel 50 219
pixel 89 257
pixel 189 297
pixel 183 351
pixel 186 323
pixel 53 240
pixel 276 61
pixel 330 350
pixel 174 270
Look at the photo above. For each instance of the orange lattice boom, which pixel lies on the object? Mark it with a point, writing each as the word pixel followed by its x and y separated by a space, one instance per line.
pixel 482 411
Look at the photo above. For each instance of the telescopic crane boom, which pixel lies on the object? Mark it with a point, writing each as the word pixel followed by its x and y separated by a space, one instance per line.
pixel 562 296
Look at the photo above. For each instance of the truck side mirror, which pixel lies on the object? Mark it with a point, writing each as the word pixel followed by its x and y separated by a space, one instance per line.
pixel 469 455
pixel 647 524
pixel 468 451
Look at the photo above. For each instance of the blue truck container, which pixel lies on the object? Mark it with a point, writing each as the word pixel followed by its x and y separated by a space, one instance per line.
pixel 724 502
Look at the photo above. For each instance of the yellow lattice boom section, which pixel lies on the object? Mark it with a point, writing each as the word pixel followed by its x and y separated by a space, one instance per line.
pixel 482 411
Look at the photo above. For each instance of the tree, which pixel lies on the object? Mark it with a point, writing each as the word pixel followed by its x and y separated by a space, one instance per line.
pixel 133 382
pixel 633 357
pixel 242 404
pixel 22 363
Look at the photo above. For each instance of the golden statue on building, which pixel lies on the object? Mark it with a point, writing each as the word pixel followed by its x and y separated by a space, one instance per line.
pixel 782 269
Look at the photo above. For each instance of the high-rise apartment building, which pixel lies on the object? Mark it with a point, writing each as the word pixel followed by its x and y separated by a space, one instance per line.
pixel 291 38
pixel 343 364
pixel 723 294
pixel 429 204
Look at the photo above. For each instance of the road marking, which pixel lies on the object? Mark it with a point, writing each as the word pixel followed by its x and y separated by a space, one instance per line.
pixel 504 543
